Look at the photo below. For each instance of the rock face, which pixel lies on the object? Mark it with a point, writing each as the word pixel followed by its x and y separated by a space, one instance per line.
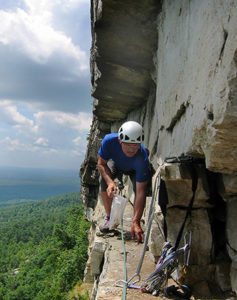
pixel 172 66
pixel 196 81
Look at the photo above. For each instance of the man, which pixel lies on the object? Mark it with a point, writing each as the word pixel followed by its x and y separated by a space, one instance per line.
pixel 123 153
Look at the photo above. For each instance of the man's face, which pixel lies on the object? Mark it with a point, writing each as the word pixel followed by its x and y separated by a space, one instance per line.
pixel 130 149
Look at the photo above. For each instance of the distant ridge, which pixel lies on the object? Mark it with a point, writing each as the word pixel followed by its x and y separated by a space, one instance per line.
pixel 35 184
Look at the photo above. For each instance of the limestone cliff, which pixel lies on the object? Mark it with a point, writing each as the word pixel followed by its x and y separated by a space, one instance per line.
pixel 172 66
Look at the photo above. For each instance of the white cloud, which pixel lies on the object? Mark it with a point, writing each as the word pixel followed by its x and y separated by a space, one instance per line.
pixel 50 151
pixel 11 144
pixel 10 115
pixel 41 7
pixel 50 129
pixel 44 54
pixel 78 153
pixel 44 71
pixel 80 121
pixel 14 145
pixel 42 142
pixel 32 33
pixel 77 140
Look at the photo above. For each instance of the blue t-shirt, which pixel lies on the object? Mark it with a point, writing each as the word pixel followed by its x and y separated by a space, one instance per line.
pixel 111 149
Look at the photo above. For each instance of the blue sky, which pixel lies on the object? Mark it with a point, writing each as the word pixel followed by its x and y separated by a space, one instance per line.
pixel 45 102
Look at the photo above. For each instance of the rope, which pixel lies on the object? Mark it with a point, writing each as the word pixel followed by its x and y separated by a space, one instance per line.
pixel 150 218
pixel 124 262
pixel 155 196
pixel 154 282
pixel 194 177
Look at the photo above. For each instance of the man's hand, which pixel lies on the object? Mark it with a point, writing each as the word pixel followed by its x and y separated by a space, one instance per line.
pixel 106 174
pixel 111 189
pixel 136 229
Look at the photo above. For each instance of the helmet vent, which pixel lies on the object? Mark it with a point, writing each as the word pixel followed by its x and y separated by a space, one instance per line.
pixel 126 138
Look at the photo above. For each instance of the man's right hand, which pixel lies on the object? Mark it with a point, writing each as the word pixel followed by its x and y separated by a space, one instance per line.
pixel 136 230
pixel 111 190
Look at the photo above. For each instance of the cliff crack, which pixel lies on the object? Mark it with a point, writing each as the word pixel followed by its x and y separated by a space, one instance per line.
pixel 223 45
pixel 178 114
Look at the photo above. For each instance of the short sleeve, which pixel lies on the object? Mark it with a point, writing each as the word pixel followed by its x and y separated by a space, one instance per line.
pixel 104 151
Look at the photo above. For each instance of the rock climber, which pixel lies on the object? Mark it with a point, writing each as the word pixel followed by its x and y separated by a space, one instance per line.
pixel 123 153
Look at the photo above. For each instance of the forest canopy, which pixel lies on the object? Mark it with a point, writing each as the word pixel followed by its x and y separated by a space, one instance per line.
pixel 43 248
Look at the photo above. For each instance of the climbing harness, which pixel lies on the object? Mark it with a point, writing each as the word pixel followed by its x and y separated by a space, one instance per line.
pixel 155 195
pixel 166 265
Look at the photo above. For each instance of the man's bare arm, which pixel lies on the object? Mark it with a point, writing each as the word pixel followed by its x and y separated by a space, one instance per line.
pixel 139 205
pixel 140 200
pixel 106 174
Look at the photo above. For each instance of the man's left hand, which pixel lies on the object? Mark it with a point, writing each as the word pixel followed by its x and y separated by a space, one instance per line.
pixel 136 230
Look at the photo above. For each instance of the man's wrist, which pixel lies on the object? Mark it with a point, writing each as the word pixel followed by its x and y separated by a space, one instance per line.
pixel 110 182
pixel 136 221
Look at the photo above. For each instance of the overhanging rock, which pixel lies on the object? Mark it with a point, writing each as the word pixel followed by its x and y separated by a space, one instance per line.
pixel 124 39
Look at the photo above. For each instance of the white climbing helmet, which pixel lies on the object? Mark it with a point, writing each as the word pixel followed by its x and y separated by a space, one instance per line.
pixel 131 132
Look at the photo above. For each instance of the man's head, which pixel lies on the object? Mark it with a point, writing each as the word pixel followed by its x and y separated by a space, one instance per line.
pixel 131 135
